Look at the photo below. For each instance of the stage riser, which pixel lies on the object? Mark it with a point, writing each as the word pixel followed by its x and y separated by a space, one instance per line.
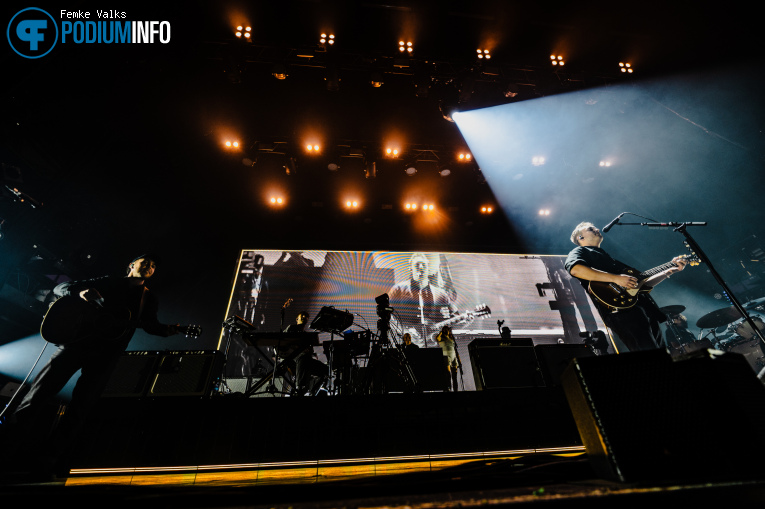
pixel 643 417
pixel 224 430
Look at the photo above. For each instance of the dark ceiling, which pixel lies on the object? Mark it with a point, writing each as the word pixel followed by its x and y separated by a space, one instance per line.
pixel 120 145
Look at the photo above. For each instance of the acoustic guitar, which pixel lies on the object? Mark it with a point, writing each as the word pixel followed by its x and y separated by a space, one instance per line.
pixel 71 319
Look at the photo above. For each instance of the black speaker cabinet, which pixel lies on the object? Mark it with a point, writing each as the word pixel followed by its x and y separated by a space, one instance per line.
pixel 643 417
pixel 553 359
pixel 429 368
pixel 499 363
pixel 140 374
pixel 133 374
pixel 186 374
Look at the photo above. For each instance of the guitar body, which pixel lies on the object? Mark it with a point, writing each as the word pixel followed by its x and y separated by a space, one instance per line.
pixel 615 296
pixel 618 297
pixel 71 319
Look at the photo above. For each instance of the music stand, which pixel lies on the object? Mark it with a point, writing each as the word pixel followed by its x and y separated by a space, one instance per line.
pixel 333 321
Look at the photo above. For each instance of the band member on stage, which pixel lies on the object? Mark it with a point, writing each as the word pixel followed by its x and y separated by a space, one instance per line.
pixel 310 372
pixel 94 355
pixel 637 326
pixel 420 303
pixel 448 344
pixel 677 334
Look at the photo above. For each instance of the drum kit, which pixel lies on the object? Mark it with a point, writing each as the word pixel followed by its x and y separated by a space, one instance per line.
pixel 730 332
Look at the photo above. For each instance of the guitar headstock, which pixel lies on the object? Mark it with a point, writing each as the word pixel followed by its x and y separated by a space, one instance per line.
pixel 190 331
pixel 481 310
pixel 692 258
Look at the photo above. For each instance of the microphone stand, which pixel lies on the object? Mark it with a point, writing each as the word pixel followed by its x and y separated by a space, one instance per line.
pixel 682 227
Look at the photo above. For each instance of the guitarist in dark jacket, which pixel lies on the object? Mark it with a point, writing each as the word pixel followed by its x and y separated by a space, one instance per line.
pixel 637 326
pixel 127 304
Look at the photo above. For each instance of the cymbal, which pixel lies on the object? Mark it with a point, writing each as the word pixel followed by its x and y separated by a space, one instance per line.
pixel 672 310
pixel 718 318
pixel 755 303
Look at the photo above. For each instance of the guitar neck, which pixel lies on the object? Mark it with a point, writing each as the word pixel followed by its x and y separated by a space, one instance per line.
pixel 657 270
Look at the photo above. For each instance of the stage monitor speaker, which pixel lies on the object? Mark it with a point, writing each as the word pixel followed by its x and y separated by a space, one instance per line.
pixel 429 369
pixel 186 374
pixel 499 363
pixel 133 374
pixel 553 359
pixel 643 417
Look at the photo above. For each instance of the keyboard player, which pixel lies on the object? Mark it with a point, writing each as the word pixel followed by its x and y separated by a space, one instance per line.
pixel 310 372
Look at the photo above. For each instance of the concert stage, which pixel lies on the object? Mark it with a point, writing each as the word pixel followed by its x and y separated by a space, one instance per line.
pixel 433 449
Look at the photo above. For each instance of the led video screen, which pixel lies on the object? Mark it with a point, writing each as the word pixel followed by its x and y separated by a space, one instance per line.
pixel 476 294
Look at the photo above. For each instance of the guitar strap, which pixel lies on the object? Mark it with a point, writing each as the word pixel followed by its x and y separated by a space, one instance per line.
pixel 141 302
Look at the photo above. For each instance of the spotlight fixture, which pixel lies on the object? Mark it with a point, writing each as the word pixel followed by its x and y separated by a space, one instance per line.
pixel 537 160
pixel 544 212
pixel 351 204
pixel 464 157
pixel 483 54
pixel 279 71
pixel 277 201
pixel 370 170
pixel 428 207
pixel 605 164
pixel 290 166
pixel 445 172
pixel 410 170
pixel 231 144
pixel 405 47
pixel 624 67
pixel 487 209
pixel 242 31
pixel 410 206
pixel 557 60
pixel 327 39
pixel 391 152
pixel 312 149
pixel 511 90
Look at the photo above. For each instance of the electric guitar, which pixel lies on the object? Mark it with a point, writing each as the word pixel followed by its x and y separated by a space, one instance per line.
pixel 482 310
pixel 71 319
pixel 618 297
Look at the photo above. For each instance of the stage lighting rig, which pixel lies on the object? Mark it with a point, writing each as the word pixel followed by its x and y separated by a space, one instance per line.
pixel 557 60
pixel 483 54
pixel 625 67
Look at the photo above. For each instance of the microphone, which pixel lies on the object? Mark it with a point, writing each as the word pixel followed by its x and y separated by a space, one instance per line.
pixel 612 223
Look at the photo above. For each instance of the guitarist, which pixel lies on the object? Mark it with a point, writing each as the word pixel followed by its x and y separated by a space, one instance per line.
pixel 95 354
pixel 637 326
pixel 419 303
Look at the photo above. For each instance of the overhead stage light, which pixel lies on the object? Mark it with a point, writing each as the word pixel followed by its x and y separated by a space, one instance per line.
pixel 487 210
pixel 313 149
pixel 405 47
pixel 483 54
pixel 625 67
pixel 605 164
pixel 391 152
pixel 537 161
pixel 464 157
pixel 544 212
pixel 279 71
pixel 557 60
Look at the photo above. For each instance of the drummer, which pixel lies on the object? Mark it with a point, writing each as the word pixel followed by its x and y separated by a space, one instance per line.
pixel 677 336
